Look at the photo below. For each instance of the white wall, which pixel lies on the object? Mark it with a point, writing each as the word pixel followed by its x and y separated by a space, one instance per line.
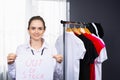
pixel 12 28
pixel 1 39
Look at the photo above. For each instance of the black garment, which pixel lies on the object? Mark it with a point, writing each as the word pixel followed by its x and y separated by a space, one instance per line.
pixel 91 28
pixel 88 59
pixel 99 28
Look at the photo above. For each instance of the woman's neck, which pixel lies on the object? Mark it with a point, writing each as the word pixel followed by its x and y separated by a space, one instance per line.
pixel 36 44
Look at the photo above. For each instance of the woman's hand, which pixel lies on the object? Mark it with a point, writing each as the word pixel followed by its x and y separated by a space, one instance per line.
pixel 58 57
pixel 11 58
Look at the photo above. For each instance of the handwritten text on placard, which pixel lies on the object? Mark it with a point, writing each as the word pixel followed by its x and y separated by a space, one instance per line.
pixel 34 68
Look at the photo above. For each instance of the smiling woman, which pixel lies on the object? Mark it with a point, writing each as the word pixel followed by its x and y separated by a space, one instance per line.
pixel 37 46
pixel 36 29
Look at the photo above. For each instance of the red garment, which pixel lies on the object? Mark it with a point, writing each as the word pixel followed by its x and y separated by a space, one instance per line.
pixel 97 43
pixel 92 71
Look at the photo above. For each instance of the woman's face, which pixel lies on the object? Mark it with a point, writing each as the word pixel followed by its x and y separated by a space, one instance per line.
pixel 36 29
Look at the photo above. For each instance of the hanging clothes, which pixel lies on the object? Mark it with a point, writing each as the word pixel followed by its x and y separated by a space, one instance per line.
pixel 75 50
pixel 91 64
pixel 98 45
pixel 89 58
pixel 88 72
pixel 98 32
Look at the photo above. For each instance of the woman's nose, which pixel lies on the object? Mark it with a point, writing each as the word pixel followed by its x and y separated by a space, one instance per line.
pixel 36 30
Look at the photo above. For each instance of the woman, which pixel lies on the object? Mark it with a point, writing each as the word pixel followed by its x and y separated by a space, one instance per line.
pixel 36 45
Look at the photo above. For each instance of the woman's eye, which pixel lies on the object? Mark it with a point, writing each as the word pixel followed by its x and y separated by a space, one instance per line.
pixel 33 28
pixel 41 28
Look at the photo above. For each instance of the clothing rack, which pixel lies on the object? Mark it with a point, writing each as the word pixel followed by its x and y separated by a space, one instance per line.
pixel 94 28
pixel 64 55
pixel 71 22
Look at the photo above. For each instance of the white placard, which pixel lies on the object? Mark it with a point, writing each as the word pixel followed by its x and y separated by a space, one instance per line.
pixel 34 67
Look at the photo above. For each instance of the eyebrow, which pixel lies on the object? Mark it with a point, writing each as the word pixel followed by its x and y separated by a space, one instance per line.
pixel 37 27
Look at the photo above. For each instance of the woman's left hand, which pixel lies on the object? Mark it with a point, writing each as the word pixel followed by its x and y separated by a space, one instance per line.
pixel 58 57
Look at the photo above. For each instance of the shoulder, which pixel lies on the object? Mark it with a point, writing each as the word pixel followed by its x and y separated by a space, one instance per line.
pixel 22 47
pixel 25 45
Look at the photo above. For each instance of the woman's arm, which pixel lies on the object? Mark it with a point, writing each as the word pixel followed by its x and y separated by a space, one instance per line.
pixel 11 65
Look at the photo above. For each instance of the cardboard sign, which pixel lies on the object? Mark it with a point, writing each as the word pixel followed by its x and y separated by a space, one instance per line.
pixel 34 67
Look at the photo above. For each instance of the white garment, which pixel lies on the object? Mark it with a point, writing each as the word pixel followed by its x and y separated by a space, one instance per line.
pixel 25 49
pixel 74 51
pixel 98 64
pixel 96 30
pixel 99 60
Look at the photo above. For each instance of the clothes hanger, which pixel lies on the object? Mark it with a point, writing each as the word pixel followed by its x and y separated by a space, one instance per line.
pixel 87 30
pixel 75 30
pixel 81 29
pixel 68 29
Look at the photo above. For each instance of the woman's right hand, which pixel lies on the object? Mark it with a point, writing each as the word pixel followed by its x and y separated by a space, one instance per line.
pixel 11 58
